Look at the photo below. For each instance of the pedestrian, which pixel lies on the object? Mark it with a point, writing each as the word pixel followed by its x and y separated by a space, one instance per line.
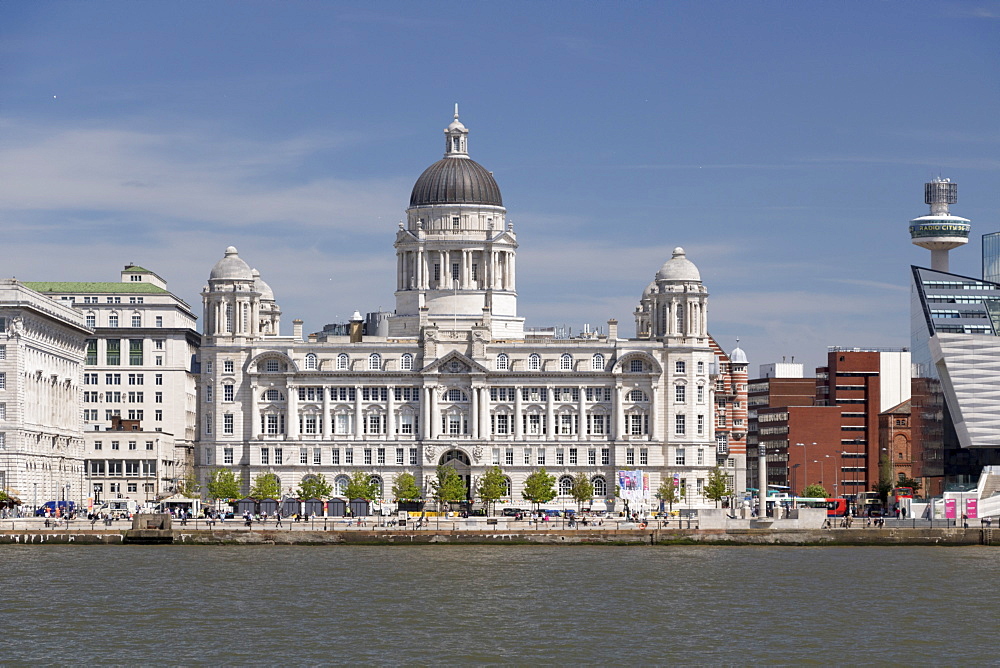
pixel 903 512
pixel 277 519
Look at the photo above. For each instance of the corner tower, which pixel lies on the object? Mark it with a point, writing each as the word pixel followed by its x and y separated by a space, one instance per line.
pixel 455 254
pixel 940 231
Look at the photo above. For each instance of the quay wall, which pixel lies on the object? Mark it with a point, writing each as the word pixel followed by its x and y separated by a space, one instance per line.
pixel 953 536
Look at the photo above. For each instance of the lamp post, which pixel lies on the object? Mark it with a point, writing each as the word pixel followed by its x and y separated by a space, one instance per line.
pixel 822 472
pixel 835 480
pixel 805 458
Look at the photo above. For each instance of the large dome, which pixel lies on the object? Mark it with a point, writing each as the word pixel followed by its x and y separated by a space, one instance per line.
pixel 678 268
pixel 231 268
pixel 456 181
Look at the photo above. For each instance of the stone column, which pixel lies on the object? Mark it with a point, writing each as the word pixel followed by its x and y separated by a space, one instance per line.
pixel 619 425
pixel 435 414
pixel 327 418
pixel 518 425
pixel 582 409
pixel 359 427
pixel 654 412
pixel 292 425
pixel 390 414
pixel 425 413
pixel 550 415
pixel 475 410
pixel 254 429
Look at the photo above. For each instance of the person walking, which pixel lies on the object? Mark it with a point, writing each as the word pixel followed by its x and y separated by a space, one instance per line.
pixel 277 520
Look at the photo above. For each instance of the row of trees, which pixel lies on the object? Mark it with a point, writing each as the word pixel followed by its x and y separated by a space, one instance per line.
pixel 447 486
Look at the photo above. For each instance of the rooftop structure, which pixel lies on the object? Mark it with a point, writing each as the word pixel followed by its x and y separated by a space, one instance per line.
pixel 940 231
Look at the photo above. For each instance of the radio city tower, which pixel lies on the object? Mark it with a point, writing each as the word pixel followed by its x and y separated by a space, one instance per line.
pixel 940 231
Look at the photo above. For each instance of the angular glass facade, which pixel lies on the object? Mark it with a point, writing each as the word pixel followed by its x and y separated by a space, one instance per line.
pixel 991 257
pixel 955 348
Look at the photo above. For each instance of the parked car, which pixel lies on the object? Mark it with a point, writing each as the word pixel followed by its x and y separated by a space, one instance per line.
pixel 50 508
pixel 511 512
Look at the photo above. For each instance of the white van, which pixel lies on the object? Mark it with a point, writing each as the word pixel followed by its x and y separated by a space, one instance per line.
pixel 119 508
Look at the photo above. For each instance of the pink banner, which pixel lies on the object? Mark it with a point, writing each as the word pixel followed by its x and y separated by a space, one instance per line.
pixel 972 508
pixel 949 508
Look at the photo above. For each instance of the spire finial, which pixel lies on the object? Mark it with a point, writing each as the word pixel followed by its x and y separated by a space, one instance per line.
pixel 456 111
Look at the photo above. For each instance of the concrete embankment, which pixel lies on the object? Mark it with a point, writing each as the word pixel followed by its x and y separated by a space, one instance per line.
pixel 895 536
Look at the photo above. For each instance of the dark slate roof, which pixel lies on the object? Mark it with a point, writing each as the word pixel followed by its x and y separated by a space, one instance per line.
pixel 456 181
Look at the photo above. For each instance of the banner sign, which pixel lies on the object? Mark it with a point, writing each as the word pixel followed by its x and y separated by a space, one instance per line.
pixel 972 508
pixel 949 509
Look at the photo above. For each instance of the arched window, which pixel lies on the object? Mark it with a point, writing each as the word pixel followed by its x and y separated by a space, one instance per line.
pixel 340 484
pixel 565 486
pixel 679 367
pixel 508 487
pixel 503 362
pixel 406 362
pixel 310 362
pixel 600 486
pixel 636 395
pixel 534 362
pixel 377 482
pixel 565 362
pixel 597 362
pixel 343 361
pixel 454 395
pixel 701 367
pixel 374 362
pixel 272 395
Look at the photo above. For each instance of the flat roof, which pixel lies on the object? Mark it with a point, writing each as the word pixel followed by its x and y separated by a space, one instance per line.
pixel 71 287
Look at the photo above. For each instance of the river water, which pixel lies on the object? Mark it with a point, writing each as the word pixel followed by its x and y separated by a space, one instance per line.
pixel 499 604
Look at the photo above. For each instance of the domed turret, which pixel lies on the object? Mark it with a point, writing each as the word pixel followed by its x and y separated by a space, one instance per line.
pixel 678 268
pixel 231 268
pixel 266 294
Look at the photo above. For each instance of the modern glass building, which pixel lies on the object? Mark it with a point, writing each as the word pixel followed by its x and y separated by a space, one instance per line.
pixel 991 257
pixel 955 337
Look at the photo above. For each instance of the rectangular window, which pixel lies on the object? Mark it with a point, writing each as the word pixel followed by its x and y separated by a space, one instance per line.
pixel 208 394
pixel 158 416
pixel 265 456
pixel 113 352
pixel 454 272
pixel 278 456
pixel 159 379
pixel 680 392
pixel 368 456
pixel 98 445
pixel 630 457
pixel 158 344
pixel 134 352
pixel 413 456
pixel 560 457
pixel 572 456
pixel 701 457
pixel 592 456
pixel 679 457
pixel 508 457
pixel 527 456
pixel 227 423
pixel 317 456
pixel 701 425
pixel 406 424
pixel 91 352
pixel 437 272
pixel 137 321
pixel 400 456
pixel 227 456
pixel 679 425
pixel 335 456
pixel 149 445
pixel 208 423
pixel 541 457
pixel 643 457
pixel 605 456
pixel 380 456
pixel 303 455
pixel 159 321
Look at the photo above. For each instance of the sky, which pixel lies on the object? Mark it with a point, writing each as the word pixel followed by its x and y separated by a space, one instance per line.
pixel 783 145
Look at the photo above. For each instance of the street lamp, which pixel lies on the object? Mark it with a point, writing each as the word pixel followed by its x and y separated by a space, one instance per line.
pixel 835 479
pixel 805 458
pixel 822 469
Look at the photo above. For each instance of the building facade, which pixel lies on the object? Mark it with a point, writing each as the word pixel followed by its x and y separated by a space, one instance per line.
pixel 42 346
pixel 453 378
pixel 139 370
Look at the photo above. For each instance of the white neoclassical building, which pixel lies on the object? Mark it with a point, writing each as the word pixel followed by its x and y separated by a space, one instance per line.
pixel 41 373
pixel 455 378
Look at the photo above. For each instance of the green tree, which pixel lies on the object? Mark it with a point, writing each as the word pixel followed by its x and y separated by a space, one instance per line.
pixel 815 491
pixel 717 486
pixel 491 487
pixel 667 491
pixel 539 487
pixel 405 488
pixel 223 484
pixel 582 489
pixel 362 486
pixel 885 481
pixel 912 483
pixel 448 486
pixel 265 486
pixel 315 487
pixel 188 486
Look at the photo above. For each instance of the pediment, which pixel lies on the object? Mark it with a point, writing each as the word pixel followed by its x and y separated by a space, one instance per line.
pixel 455 363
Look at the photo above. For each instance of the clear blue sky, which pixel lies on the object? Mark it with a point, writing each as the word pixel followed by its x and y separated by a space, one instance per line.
pixel 784 145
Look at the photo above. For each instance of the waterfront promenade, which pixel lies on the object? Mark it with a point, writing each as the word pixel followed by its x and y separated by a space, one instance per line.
pixel 338 531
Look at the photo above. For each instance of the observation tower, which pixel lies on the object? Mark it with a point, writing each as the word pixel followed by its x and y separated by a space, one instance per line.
pixel 940 231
